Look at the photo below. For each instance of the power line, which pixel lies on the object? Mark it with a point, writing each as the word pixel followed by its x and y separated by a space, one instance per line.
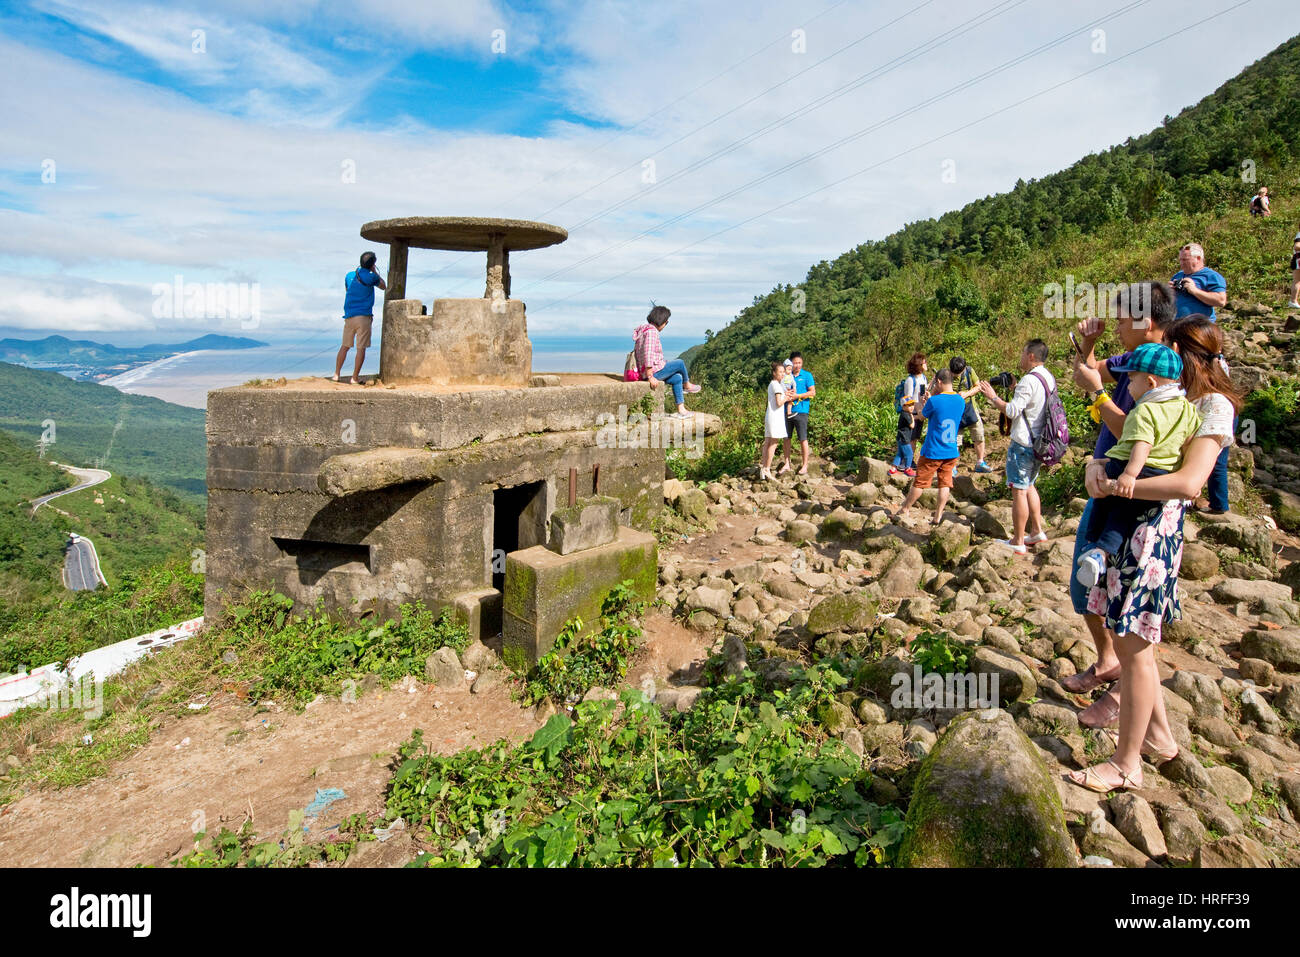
pixel 899 155
pixel 916 107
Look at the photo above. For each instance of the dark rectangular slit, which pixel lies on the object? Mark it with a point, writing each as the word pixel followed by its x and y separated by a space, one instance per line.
pixel 323 556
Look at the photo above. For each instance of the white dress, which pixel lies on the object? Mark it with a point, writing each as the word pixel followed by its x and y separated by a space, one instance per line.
pixel 774 424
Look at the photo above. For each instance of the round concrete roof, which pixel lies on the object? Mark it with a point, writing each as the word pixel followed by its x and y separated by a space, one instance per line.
pixel 463 232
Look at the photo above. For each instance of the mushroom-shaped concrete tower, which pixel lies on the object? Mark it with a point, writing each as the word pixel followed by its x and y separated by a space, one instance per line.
pixel 496 237
pixel 463 341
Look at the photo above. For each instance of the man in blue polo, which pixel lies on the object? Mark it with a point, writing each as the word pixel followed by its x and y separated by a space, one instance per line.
pixel 358 313
pixel 1197 287
pixel 797 417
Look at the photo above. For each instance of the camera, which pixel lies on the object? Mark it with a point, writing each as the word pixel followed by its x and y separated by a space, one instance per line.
pixel 1003 380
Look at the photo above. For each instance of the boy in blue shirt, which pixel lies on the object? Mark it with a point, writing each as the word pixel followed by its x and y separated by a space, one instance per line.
pixel 358 313
pixel 942 414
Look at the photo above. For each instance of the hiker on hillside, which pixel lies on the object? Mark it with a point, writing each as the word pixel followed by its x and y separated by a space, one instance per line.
pixel 964 384
pixel 1027 412
pixel 1197 287
pixel 1295 273
pixel 909 400
pixel 797 412
pixel 649 354
pixel 942 413
pixel 1259 203
pixel 358 313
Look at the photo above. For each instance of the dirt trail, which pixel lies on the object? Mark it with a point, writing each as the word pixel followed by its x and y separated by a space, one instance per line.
pixel 217 767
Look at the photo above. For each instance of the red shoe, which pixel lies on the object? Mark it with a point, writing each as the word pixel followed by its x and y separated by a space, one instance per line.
pixel 911 472
pixel 894 470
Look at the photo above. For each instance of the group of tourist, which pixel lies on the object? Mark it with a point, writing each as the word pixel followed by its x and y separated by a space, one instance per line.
pixel 1165 433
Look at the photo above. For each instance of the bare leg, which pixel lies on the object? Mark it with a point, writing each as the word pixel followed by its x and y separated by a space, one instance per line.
pixel 913 494
pixel 1019 514
pixel 979 452
pixel 356 369
pixel 943 500
pixel 769 449
pixel 1035 525
pixel 803 446
pixel 338 362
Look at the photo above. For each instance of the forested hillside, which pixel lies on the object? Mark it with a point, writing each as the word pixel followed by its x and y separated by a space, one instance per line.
pixel 133 435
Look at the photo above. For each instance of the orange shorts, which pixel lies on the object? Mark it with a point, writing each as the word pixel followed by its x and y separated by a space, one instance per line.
pixel 927 468
pixel 357 328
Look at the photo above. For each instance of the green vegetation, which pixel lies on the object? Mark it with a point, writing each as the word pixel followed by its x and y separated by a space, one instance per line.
pixel 1272 410
pixel 301 656
pixel 98 425
pixel 579 662
pixel 237 848
pixel 745 778
pixel 939 652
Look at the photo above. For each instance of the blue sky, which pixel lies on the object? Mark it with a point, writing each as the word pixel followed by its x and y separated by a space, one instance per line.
pixel 659 135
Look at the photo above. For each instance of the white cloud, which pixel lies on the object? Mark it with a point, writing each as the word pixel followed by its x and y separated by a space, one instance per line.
pixel 250 188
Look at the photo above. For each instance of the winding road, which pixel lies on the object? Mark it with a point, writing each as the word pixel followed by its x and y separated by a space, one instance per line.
pixel 88 478
pixel 81 570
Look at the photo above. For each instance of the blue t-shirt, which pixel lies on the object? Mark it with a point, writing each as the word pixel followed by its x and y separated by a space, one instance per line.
pixel 943 417
pixel 1121 396
pixel 360 298
pixel 802 383
pixel 1206 280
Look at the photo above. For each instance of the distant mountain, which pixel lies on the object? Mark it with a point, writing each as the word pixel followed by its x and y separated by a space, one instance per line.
pixel 60 350
pixel 93 424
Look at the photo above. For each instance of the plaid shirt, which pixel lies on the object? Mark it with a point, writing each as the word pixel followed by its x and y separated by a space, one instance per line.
pixel 649 351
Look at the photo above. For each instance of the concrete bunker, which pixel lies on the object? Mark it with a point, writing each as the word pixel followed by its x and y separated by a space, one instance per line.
pixel 458 478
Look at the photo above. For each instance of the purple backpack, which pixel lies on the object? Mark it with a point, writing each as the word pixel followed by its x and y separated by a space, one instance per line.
pixel 1054 439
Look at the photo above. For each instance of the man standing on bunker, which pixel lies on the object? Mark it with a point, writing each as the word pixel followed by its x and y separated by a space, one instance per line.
pixel 358 313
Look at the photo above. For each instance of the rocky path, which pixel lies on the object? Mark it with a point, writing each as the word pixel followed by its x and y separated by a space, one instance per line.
pixel 826 572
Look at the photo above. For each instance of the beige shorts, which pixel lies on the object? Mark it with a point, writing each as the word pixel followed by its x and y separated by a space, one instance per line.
pixel 357 329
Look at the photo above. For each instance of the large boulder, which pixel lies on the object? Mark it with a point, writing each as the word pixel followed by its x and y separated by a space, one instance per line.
pixel 693 505
pixel 903 576
pixel 1280 647
pixel 846 611
pixel 1232 590
pixel 949 542
pixel 1198 563
pixel 874 471
pixel 1015 681
pixel 1250 536
pixel 984 798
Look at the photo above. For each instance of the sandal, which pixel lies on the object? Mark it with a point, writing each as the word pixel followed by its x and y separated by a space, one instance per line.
pixel 1102 713
pixel 1090 681
pixel 1093 781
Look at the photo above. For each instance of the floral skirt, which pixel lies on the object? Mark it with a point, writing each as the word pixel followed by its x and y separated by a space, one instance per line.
pixel 1140 592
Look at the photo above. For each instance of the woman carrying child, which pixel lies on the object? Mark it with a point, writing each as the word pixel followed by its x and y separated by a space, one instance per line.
pixel 1140 590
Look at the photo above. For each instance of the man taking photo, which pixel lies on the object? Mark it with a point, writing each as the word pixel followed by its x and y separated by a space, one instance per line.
pixel 358 313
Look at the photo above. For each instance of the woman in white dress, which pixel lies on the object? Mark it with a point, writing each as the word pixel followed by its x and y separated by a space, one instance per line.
pixel 774 428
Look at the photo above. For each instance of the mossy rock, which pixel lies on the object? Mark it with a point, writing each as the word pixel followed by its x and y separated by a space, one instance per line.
pixel 984 798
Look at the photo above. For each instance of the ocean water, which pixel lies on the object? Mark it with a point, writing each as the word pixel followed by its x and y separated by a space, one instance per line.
pixel 186 379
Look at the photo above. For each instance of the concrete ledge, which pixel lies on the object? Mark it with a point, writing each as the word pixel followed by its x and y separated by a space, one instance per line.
pixel 374 469
pixel 543 590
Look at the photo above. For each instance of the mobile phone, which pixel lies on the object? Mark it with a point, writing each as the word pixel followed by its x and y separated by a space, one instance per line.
pixel 1075 342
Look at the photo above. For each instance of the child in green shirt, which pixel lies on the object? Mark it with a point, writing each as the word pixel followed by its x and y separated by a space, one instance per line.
pixel 1155 431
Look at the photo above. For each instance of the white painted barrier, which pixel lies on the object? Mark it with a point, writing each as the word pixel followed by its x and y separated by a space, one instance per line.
pixel 37 687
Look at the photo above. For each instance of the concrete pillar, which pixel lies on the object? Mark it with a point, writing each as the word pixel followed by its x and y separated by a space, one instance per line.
pixel 497 271
pixel 396 282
